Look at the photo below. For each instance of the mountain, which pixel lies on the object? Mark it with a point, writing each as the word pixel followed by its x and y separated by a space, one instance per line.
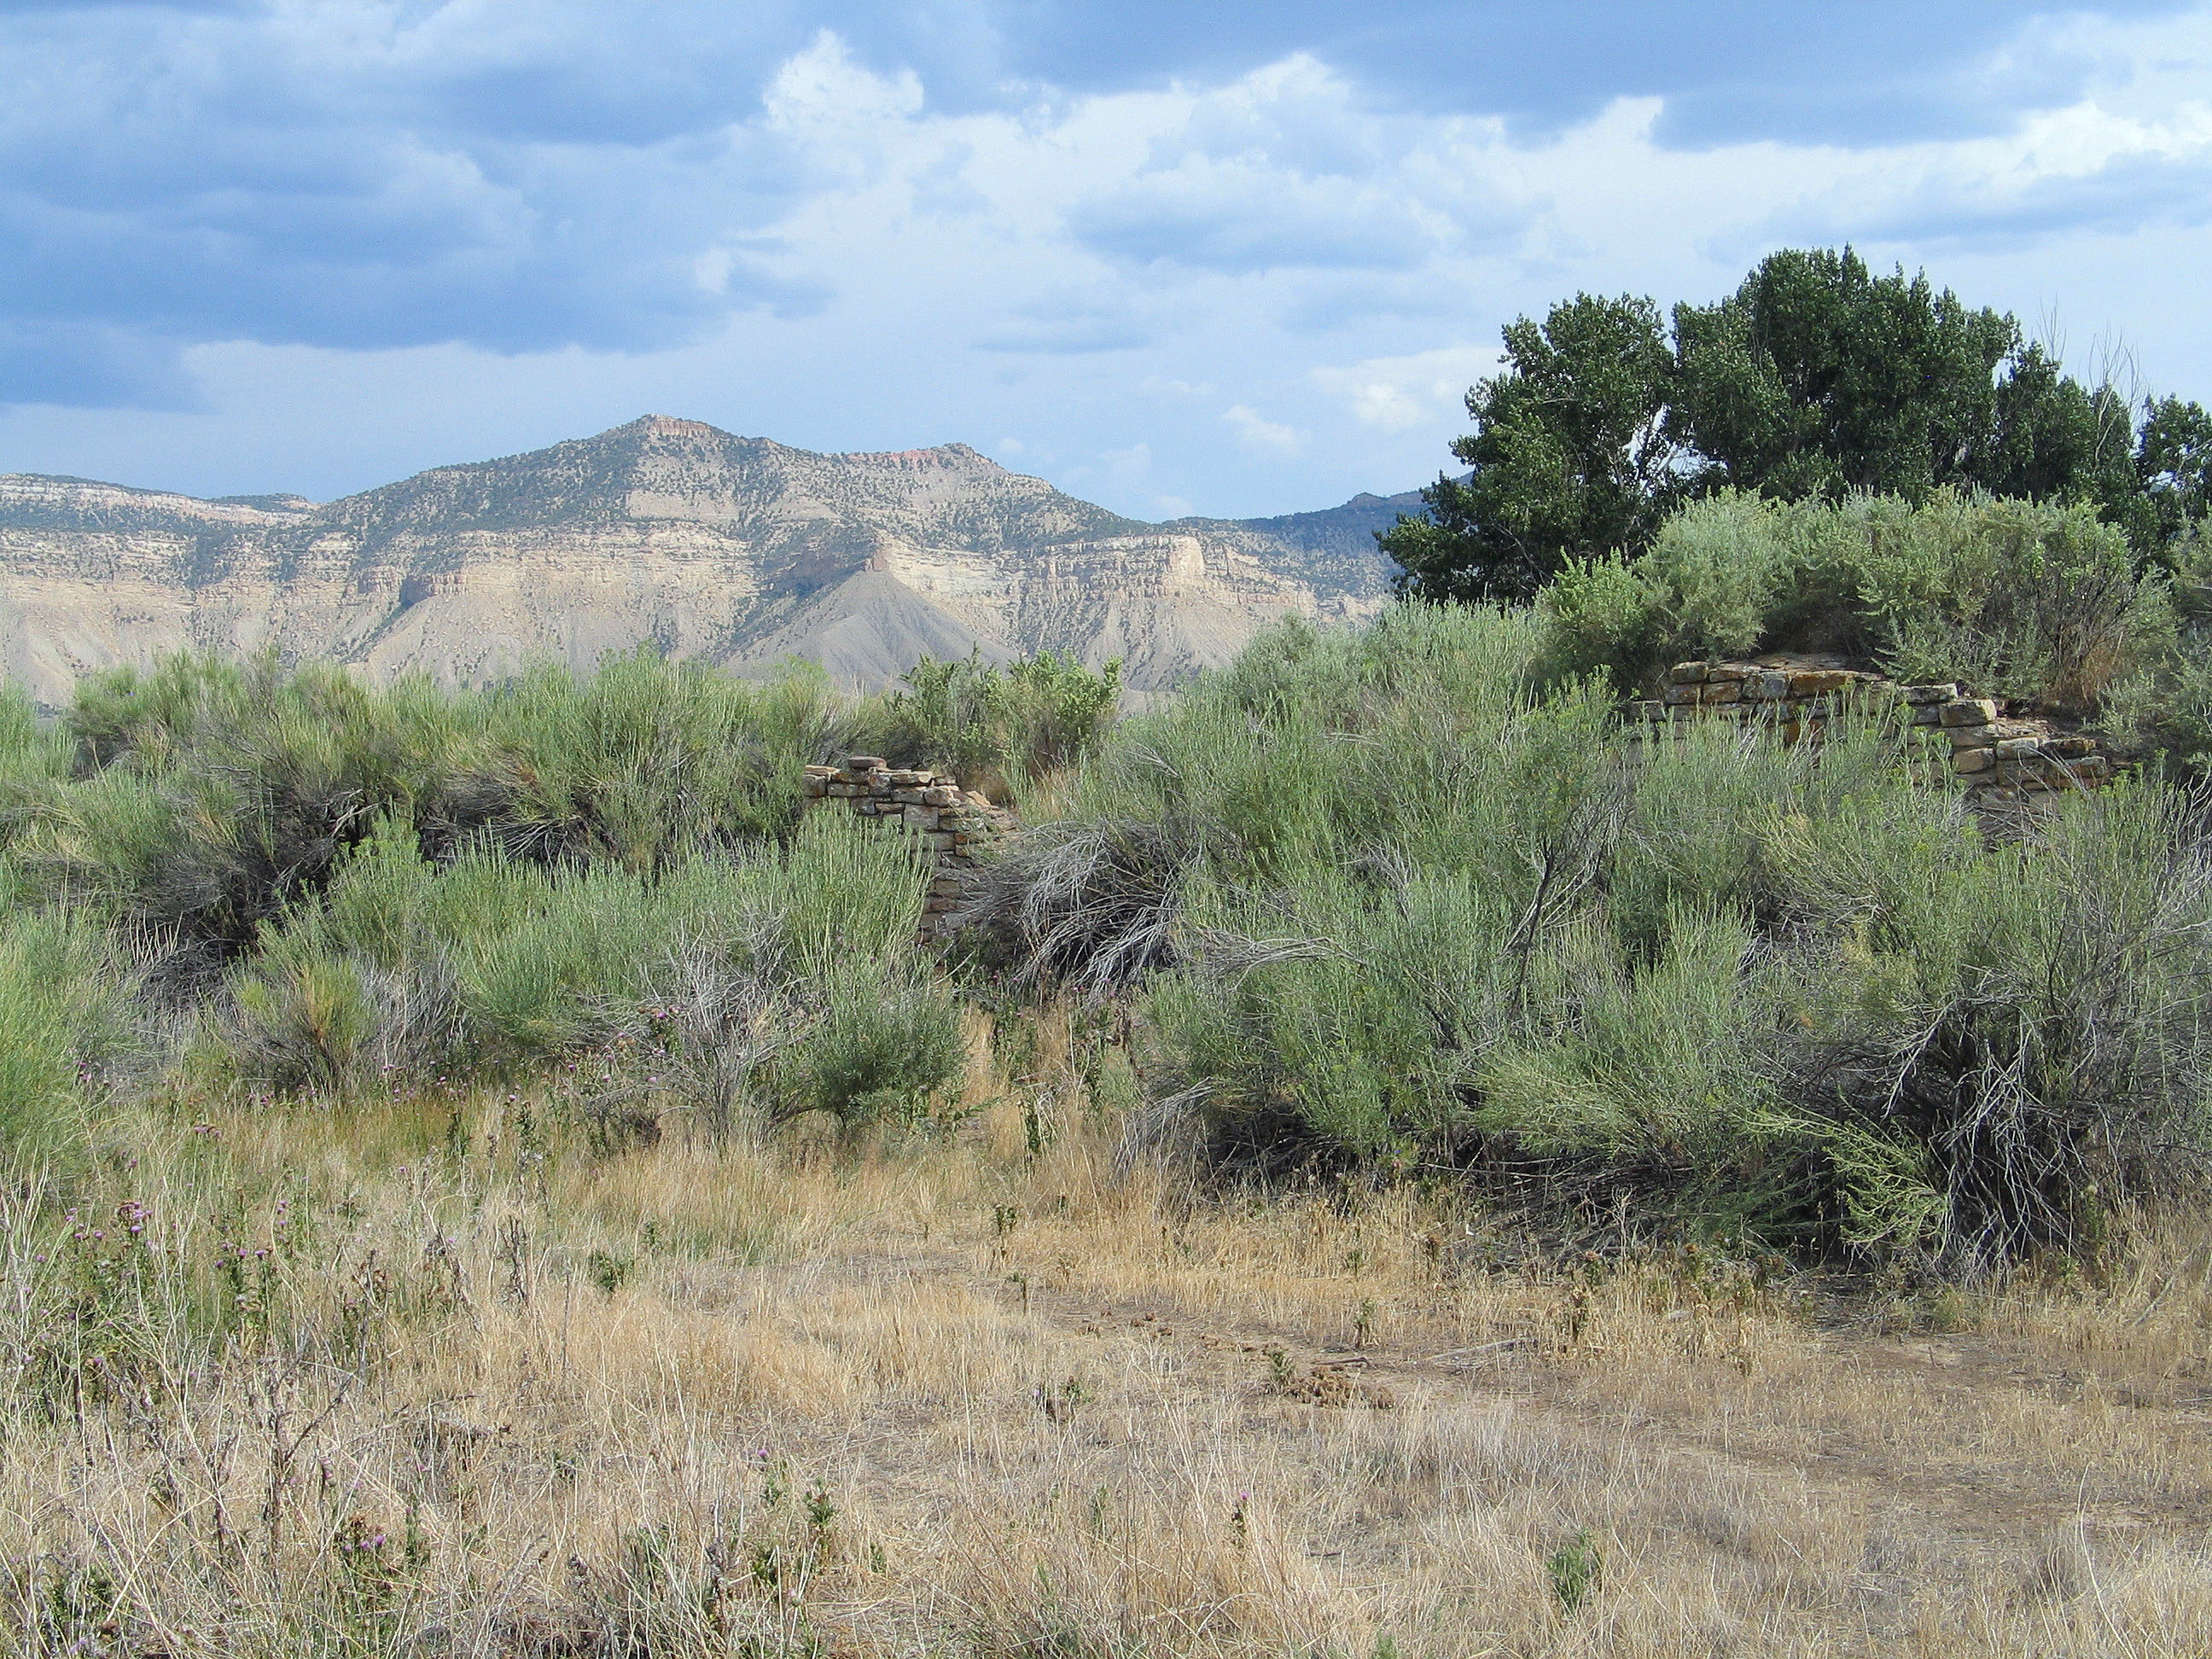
pixel 1331 550
pixel 740 550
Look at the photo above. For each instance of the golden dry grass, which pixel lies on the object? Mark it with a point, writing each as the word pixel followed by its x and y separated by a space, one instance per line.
pixel 433 1378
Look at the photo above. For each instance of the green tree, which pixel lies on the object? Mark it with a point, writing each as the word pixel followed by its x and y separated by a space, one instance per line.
pixel 2173 472
pixel 1569 451
pixel 1813 379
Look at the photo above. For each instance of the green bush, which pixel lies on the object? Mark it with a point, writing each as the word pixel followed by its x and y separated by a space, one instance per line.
pixel 775 980
pixel 1607 615
pixel 1404 894
pixel 647 762
pixel 35 755
pixel 2018 599
pixel 214 796
pixel 63 1015
pixel 1386 895
pixel 2024 1027
pixel 994 728
pixel 2021 601
pixel 884 1041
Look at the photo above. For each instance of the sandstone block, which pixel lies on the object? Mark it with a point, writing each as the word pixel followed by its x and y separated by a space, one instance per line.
pixel 821 771
pixel 1973 760
pixel 1676 696
pixel 1927 713
pixel 2013 748
pixel 1766 686
pixel 1730 671
pixel 940 794
pixel 865 762
pixel 1919 694
pixel 921 817
pixel 1969 711
pixel 2069 748
pixel 1818 682
pixel 844 790
pixel 1973 736
pixel 1721 694
pixel 937 843
pixel 906 777
pixel 1687 673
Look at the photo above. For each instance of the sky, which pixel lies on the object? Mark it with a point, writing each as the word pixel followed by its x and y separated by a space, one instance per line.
pixel 1223 259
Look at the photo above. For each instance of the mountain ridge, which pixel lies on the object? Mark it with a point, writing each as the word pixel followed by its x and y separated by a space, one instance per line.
pixel 740 549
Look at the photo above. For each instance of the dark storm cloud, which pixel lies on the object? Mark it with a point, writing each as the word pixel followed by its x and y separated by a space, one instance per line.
pixel 362 176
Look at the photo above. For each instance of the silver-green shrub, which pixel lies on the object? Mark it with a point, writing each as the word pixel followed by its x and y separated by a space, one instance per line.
pixel 1394 901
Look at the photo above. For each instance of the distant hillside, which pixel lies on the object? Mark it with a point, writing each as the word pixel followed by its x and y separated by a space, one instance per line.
pixel 740 550
pixel 1332 549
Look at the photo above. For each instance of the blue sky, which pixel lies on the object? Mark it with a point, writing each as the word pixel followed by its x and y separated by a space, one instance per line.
pixel 1175 258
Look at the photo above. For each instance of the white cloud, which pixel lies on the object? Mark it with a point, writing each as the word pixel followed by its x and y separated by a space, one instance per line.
pixel 1397 394
pixel 838 262
pixel 1169 389
pixel 711 269
pixel 1260 435
pixel 823 94
pixel 1127 467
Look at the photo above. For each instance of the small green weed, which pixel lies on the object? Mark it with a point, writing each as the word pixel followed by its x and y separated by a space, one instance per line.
pixel 1575 1568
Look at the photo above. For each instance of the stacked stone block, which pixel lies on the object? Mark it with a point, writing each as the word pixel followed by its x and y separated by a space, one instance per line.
pixel 2005 764
pixel 2015 762
pixel 956 826
pixel 1791 702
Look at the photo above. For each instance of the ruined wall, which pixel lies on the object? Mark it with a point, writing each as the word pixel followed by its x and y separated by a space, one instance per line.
pixel 2004 763
pixel 955 826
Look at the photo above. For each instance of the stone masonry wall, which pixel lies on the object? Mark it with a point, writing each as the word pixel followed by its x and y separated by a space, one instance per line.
pixel 2007 764
pixel 955 825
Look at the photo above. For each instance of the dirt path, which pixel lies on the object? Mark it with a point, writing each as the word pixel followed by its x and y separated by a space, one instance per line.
pixel 1987 1458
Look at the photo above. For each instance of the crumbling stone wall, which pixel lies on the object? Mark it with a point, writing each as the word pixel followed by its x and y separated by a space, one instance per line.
pixel 955 826
pixel 2005 762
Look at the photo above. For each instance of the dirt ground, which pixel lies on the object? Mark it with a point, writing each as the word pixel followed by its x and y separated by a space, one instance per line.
pixel 434 1381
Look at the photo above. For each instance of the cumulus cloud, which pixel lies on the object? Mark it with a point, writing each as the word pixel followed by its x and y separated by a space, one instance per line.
pixel 1255 433
pixel 1396 394
pixel 1129 465
pixel 1212 240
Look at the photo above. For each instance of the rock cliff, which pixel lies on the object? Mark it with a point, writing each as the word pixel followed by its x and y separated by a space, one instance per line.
pixel 740 550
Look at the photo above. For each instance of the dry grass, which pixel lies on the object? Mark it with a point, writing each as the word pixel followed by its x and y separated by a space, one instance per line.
pixel 487 1393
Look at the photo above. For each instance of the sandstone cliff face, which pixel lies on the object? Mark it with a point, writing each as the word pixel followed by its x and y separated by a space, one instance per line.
pixel 740 550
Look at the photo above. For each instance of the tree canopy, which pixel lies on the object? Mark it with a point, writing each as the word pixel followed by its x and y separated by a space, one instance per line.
pixel 1814 379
